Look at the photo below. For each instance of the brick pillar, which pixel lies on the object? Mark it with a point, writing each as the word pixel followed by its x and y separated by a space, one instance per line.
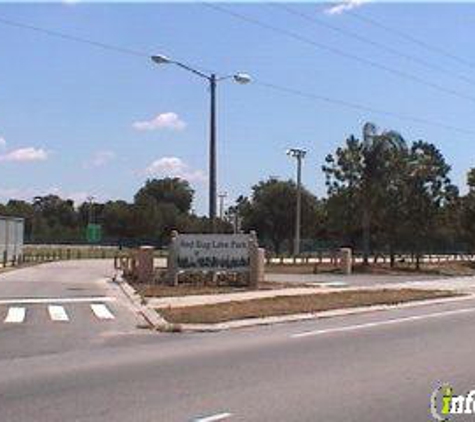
pixel 346 261
pixel 256 262
pixel 144 269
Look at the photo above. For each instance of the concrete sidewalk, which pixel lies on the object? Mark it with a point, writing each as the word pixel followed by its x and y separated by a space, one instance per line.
pixel 355 279
pixel 183 301
pixel 459 284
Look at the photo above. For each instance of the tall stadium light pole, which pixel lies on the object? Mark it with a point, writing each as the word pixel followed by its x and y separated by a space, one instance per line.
pixel 212 79
pixel 90 200
pixel 299 155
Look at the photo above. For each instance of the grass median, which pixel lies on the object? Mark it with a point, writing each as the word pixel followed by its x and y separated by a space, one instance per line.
pixel 288 305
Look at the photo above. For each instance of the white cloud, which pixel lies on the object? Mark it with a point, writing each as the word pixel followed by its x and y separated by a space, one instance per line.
pixel 174 167
pixel 161 121
pixel 70 2
pixel 100 159
pixel 340 8
pixel 27 154
pixel 78 197
pixel 12 193
pixel 3 142
pixel 29 193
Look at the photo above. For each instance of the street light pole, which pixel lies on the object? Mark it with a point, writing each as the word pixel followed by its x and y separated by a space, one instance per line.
pixel 299 206
pixel 212 154
pixel 299 155
pixel 212 79
pixel 90 218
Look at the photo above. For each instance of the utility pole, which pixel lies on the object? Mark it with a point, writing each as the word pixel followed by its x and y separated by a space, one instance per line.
pixel 299 155
pixel 212 79
pixel 212 154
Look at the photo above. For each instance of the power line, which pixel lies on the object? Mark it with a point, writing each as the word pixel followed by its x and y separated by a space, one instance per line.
pixel 412 39
pixel 354 35
pixel 82 40
pixel 274 87
pixel 336 51
pixel 74 38
pixel 361 107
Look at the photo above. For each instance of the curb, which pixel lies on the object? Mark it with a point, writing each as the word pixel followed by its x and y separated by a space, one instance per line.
pixel 251 322
pixel 151 317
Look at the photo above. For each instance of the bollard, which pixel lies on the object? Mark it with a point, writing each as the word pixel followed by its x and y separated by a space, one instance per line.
pixel 257 262
pixel 345 261
pixel 172 264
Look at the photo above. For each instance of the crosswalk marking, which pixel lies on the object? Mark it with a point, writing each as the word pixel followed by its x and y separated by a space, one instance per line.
pixel 15 315
pixel 57 313
pixel 101 311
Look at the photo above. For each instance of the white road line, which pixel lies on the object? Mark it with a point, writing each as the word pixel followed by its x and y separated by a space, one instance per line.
pixel 32 301
pixel 101 311
pixel 214 418
pixel 382 323
pixel 15 315
pixel 57 313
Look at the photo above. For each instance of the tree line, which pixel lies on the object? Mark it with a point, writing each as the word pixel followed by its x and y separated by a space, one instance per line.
pixel 385 194
pixel 158 207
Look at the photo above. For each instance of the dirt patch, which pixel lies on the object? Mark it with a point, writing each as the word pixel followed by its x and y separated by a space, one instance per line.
pixel 288 305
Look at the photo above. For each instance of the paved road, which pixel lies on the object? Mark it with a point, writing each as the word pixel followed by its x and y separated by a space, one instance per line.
pixel 373 367
pixel 62 306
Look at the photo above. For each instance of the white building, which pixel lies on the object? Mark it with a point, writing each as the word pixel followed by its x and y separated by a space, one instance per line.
pixel 11 238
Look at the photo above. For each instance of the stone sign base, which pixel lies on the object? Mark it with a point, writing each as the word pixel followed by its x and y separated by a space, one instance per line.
pixel 253 274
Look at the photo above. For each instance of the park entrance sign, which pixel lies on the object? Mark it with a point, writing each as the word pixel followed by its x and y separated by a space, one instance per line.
pixel 213 252
pixel 216 253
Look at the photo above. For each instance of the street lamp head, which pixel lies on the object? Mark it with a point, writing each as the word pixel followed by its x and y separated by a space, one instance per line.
pixel 242 78
pixel 159 59
pixel 296 152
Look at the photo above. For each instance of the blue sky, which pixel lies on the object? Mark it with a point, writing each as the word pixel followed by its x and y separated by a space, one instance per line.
pixel 79 120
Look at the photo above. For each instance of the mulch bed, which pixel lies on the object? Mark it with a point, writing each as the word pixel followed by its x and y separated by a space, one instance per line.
pixel 288 305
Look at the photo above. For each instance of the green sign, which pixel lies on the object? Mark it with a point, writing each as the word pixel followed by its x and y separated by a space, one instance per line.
pixel 94 233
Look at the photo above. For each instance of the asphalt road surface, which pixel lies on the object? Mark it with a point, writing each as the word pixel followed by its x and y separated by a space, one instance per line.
pixel 62 306
pixel 381 366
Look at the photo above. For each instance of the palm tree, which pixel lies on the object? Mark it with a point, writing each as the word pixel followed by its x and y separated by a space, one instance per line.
pixel 376 146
